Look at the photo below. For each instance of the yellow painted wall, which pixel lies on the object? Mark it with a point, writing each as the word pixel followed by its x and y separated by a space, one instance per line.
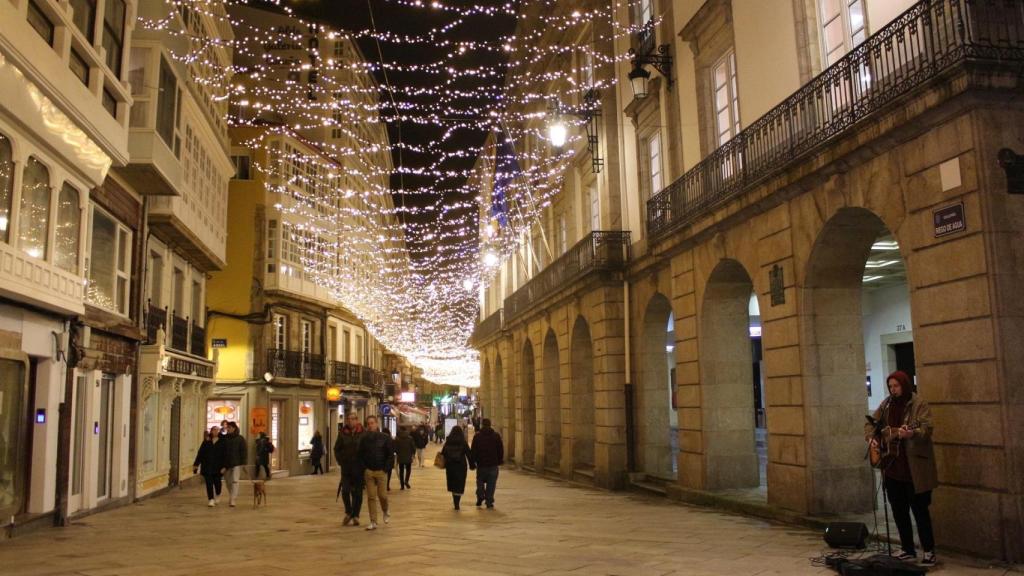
pixel 229 290
pixel 766 55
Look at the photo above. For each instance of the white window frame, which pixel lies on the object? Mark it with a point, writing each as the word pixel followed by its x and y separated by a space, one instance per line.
pixel 730 89
pixel 654 163
pixel 594 199
pixel 280 331
pixel 120 273
pixel 853 32
pixel 306 344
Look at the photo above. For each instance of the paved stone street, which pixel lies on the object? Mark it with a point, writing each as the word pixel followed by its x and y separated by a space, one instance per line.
pixel 539 527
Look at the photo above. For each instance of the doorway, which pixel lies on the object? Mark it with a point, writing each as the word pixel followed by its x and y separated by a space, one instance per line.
pixel 276 409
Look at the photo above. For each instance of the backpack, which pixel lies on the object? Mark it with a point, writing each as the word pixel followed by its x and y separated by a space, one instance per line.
pixel 270 447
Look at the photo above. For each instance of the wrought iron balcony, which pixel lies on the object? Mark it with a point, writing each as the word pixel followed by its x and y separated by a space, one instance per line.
pixel 367 376
pixel 599 251
pixel 198 340
pixel 179 333
pixel 290 364
pixel 339 372
pixel 488 327
pixel 910 52
pixel 156 317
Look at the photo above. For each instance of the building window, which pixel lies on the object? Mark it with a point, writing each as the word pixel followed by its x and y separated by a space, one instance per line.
pixel 109 263
pixel 843 27
pixel 167 104
pixel 109 103
pixel 40 22
pixel 307 424
pixel 156 280
pixel 595 208
pixel 563 234
pixel 84 16
pixel 243 165
pixel 197 303
pixel 359 350
pixel 644 12
pixel 218 411
pixel 272 241
pixel 6 187
pixel 113 34
pixel 34 218
pixel 67 235
pixel 654 163
pixel 78 66
pixel 280 332
pixel 307 337
pixel 346 344
pixel 727 105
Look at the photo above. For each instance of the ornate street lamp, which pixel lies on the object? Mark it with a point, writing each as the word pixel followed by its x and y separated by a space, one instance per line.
pixel 588 111
pixel 639 77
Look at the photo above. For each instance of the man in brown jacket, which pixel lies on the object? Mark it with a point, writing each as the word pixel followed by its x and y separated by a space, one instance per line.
pixel 905 430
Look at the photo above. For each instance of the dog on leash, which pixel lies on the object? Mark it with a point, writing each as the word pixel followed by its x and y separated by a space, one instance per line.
pixel 259 493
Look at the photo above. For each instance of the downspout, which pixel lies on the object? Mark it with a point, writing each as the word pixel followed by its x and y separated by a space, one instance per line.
pixel 628 388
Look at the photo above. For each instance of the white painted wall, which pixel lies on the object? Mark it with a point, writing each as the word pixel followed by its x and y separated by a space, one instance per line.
pixel 884 311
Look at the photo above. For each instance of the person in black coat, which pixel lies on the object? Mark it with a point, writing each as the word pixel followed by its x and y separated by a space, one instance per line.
pixel 420 437
pixel 457 458
pixel 208 460
pixel 316 453
pixel 405 449
pixel 235 453
pixel 488 454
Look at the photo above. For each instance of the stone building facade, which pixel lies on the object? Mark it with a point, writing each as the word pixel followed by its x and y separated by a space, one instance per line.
pixel 788 189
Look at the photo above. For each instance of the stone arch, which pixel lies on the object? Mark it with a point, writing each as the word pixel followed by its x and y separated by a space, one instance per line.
pixel 834 361
pixel 657 438
pixel 726 377
pixel 582 370
pixel 498 395
pixel 552 402
pixel 527 401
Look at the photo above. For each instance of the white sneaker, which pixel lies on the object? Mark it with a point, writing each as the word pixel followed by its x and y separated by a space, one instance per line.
pixel 372 526
pixel 231 503
pixel 387 517
pixel 211 503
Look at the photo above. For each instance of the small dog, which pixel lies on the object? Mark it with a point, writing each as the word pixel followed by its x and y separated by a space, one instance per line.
pixel 259 493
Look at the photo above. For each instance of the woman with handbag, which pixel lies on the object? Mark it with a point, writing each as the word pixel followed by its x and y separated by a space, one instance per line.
pixel 457 458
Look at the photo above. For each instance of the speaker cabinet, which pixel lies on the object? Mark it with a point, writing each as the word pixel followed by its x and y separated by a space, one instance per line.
pixel 846 535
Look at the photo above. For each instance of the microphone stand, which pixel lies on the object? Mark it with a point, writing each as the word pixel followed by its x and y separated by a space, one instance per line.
pixel 878 424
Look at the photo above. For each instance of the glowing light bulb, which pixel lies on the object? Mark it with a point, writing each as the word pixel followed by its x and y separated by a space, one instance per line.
pixel 558 133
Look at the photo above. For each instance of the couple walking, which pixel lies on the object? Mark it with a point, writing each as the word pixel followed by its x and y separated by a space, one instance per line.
pixel 364 456
pixel 485 455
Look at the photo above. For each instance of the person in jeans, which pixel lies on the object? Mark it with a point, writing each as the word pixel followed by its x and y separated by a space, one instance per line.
pixel 235 455
pixel 346 453
pixel 375 454
pixel 405 448
pixel 208 460
pixel 488 453
pixel 911 475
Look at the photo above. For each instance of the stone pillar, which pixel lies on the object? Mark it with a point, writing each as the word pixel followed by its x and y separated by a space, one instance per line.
pixel 607 332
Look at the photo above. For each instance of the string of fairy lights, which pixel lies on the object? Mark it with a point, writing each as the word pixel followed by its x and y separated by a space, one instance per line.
pixel 411 270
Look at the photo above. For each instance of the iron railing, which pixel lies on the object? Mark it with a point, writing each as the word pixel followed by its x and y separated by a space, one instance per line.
pixel 291 364
pixel 339 372
pixel 197 340
pixel 156 317
pixel 366 376
pixel 906 54
pixel 488 327
pixel 598 251
pixel 179 333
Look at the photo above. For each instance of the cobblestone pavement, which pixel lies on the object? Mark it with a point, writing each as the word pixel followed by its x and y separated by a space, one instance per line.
pixel 538 527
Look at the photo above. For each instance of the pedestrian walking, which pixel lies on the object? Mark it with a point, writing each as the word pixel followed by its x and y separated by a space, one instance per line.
pixel 391 460
pixel 439 432
pixel 346 453
pixel 264 448
pixel 316 453
pixel 208 463
pixel 912 474
pixel 375 453
pixel 235 455
pixel 405 449
pixel 457 457
pixel 420 438
pixel 488 453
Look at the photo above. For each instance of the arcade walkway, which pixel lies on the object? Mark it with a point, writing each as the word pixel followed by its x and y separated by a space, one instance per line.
pixel 539 527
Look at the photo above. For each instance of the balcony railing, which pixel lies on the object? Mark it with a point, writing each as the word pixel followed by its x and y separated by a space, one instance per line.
pixel 598 251
pixel 179 333
pixel 488 327
pixel 291 364
pixel 156 317
pixel 909 52
pixel 339 372
pixel 366 376
pixel 197 339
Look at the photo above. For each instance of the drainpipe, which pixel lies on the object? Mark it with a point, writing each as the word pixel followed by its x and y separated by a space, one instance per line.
pixel 628 388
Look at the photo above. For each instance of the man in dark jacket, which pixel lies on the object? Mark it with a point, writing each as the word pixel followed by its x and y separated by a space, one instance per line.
pixel 346 454
pixel 375 454
pixel 420 438
pixel 405 449
pixel 234 455
pixel 488 453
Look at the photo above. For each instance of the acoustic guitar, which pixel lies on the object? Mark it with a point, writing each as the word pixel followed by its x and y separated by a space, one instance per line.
pixel 887 443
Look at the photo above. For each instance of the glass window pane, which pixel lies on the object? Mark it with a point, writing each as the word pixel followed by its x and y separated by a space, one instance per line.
pixel 84 16
pixel 34 218
pixel 68 226
pixel 40 22
pixel 166 104
pixel 721 75
pixel 856 16
pixel 78 66
pixel 6 187
pixel 101 261
pixel 829 9
pixel 122 250
pixel 834 35
pixel 307 424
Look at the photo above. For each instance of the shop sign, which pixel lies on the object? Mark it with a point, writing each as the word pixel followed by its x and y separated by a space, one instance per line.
pixel 949 220
pixel 385 409
pixel 333 394
pixel 259 420
pixel 115 354
pixel 219 343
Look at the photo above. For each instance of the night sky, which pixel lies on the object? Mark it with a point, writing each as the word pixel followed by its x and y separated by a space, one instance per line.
pixel 391 16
